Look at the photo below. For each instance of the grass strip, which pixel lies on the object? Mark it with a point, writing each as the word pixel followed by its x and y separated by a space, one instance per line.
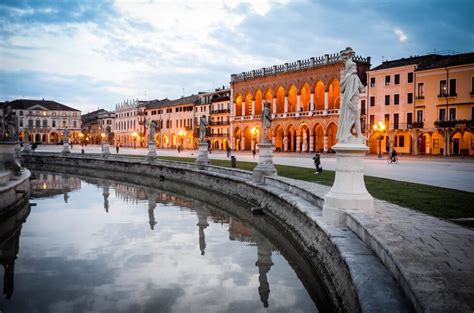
pixel 436 201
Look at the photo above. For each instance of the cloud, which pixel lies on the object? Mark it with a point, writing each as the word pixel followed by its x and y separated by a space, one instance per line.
pixel 401 35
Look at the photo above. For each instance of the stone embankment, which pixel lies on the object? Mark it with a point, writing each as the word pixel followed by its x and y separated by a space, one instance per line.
pixel 393 260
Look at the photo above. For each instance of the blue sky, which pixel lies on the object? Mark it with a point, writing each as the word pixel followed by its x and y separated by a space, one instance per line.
pixel 90 54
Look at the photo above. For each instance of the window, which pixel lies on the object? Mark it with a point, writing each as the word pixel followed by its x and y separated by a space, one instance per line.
pixel 372 121
pixel 64 124
pixel 397 79
pixel 387 99
pixel 443 88
pixel 387 121
pixel 395 121
pixel 38 123
pixel 442 115
pixel 21 123
pixel 53 124
pixel 410 77
pixel 372 81
pixel 75 124
pixel 452 88
pixel 401 141
pixel 362 107
pixel 452 114
pixel 30 123
pixel 410 97
pixel 409 119
pixel 419 116
pixel 396 99
pixel 421 91
pixel 372 101
pixel 387 80
pixel 21 113
pixel 45 123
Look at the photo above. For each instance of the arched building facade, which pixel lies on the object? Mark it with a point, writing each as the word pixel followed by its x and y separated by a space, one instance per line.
pixel 305 102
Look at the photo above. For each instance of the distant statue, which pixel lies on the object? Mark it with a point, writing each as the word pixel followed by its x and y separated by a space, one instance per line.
pixel 151 135
pixel 349 114
pixel 266 121
pixel 107 132
pixel 202 128
pixel 66 136
pixel 27 135
pixel 9 124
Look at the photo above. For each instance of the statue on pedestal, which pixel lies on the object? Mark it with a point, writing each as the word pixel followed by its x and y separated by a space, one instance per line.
pixel 202 128
pixel 66 136
pixel 266 122
pixel 349 114
pixel 151 134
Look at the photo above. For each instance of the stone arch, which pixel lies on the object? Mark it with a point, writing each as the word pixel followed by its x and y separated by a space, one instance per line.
pixel 331 131
pixel 258 102
pixel 237 139
pixel 280 100
pixel 216 144
pixel 318 138
pixel 290 137
pixel 292 98
pixel 305 97
pixel 54 137
pixel 174 140
pixel 157 140
pixel 37 137
pixel 319 95
pixel 225 144
pixel 304 135
pixel 269 98
pixel 279 135
pixel 238 105
pixel 334 93
pixel 166 141
pixel 246 139
pixel 248 103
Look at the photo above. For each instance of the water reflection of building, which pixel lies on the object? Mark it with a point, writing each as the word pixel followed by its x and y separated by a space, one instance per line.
pixel 51 184
pixel 10 230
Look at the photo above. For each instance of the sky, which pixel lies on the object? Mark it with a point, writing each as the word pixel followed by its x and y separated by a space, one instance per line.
pixel 94 54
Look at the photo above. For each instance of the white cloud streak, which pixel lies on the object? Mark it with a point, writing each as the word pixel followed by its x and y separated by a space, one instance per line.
pixel 401 35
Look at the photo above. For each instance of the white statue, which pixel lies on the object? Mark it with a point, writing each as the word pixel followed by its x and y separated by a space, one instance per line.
pixel 202 128
pixel 152 128
pixel 266 121
pixel 349 114
pixel 66 136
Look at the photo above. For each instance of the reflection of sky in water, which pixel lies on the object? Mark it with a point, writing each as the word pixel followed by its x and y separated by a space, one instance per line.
pixel 75 257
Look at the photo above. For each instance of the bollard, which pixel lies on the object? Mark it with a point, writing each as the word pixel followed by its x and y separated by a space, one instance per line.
pixel 233 162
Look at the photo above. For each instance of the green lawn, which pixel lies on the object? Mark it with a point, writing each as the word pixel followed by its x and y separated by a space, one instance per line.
pixel 436 201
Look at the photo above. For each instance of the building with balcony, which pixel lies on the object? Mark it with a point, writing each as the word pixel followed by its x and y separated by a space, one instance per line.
pixel 127 128
pixel 219 118
pixel 45 120
pixel 93 126
pixel 304 97
pixel 425 104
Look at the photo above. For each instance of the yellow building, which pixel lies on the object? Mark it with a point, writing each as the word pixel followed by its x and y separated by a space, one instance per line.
pixel 445 105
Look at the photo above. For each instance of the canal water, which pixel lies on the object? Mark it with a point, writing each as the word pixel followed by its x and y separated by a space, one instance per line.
pixel 93 245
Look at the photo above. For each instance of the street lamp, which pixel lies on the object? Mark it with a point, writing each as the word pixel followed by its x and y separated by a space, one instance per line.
pixel 379 128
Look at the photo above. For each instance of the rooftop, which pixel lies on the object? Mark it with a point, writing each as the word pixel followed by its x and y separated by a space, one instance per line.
pixel 27 104
pixel 447 60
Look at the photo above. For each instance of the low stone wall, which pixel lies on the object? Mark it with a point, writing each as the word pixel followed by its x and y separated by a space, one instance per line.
pixel 354 278
pixel 14 194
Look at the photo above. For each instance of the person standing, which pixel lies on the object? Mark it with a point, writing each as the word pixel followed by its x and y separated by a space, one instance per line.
pixel 117 145
pixel 317 163
pixel 254 152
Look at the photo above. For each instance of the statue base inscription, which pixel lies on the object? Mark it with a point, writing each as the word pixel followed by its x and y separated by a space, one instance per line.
pixel 151 152
pixel 202 158
pixel 265 163
pixel 348 191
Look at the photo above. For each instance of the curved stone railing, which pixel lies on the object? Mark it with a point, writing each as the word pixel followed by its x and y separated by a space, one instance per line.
pixel 354 277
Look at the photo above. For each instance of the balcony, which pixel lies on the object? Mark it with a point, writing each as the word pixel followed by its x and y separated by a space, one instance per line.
pixel 219 111
pixel 219 135
pixel 458 124
pixel 417 125
pixel 218 99
pixel 219 123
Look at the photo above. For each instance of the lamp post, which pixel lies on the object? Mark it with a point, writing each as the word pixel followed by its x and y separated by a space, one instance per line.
pixel 379 128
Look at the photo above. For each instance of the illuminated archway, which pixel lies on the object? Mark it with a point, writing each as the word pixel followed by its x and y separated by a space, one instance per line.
pixel 247 139
pixel 237 139
pixel 304 134
pixel 305 97
pixel 269 98
pixel 292 100
pixel 238 105
pixel 248 104
pixel 319 95
pixel 258 102
pixel 319 138
pixel 291 138
pixel 331 133
pixel 333 94
pixel 280 100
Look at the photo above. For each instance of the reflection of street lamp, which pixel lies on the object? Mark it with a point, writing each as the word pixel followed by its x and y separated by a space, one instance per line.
pixel 181 135
pixel 379 128
pixel 134 135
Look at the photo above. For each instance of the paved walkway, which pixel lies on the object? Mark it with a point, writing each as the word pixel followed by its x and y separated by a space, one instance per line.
pixel 455 173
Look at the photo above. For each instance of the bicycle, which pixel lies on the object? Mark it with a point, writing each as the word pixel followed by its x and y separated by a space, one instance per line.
pixel 392 160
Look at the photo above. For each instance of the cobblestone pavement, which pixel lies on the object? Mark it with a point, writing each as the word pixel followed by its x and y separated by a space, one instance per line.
pixel 455 173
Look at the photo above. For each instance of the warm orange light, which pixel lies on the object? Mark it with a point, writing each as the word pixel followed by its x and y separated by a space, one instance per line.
pixel 102 135
pixel 181 133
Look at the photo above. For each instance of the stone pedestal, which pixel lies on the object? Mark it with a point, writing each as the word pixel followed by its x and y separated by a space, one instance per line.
pixel 348 191
pixel 9 165
pixel 265 163
pixel 151 151
pixel 202 158
pixel 66 149
pixel 106 150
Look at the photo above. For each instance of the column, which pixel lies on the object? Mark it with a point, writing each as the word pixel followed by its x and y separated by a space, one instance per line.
pixel 285 143
pixel 253 107
pixel 298 103
pixel 298 143
pixel 274 103
pixel 326 100
pixel 243 108
pixel 325 143
pixel 304 146
pixel 242 143
pixel 311 102
pixel 286 104
pixel 311 143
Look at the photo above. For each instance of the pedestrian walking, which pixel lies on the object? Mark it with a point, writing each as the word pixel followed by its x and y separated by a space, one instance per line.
pixel 254 152
pixel 228 151
pixel 317 163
